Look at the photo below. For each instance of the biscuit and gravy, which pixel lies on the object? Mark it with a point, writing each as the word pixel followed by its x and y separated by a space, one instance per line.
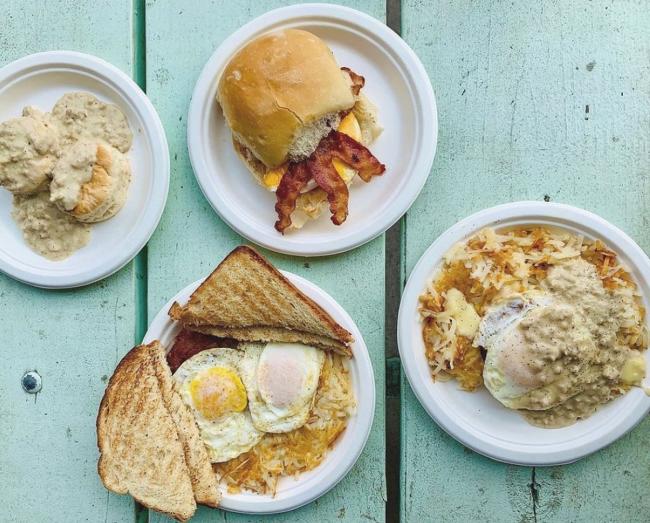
pixel 66 169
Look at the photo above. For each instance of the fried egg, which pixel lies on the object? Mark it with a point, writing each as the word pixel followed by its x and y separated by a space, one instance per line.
pixel 508 374
pixel 281 381
pixel 210 384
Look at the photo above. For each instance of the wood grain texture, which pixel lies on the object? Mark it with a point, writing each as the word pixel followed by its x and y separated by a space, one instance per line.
pixel 536 100
pixel 191 238
pixel 48 451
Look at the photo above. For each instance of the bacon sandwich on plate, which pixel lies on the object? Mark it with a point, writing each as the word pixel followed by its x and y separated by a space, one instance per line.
pixel 300 124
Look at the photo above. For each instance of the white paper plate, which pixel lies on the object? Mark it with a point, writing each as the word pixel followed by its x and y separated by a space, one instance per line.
pixel 478 420
pixel 40 80
pixel 395 80
pixel 294 493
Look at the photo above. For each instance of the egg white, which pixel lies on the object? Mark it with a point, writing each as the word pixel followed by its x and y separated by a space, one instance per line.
pixel 505 373
pixel 268 416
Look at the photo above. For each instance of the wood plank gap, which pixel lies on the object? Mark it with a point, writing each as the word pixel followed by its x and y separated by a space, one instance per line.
pixel 139 38
pixel 393 289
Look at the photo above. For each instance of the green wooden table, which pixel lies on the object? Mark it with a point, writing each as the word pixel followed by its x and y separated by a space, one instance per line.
pixel 537 100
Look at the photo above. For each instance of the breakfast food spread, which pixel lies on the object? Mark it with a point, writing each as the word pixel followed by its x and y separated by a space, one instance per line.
pixel 549 322
pixel 300 124
pixel 66 168
pixel 254 388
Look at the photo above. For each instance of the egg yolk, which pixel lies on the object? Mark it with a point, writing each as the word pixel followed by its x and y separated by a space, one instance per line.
pixel 280 381
pixel 217 391
pixel 273 176
pixel 633 371
pixel 350 126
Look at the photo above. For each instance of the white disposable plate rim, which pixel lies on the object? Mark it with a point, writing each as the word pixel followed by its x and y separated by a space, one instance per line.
pixel 126 88
pixel 411 346
pixel 327 13
pixel 321 480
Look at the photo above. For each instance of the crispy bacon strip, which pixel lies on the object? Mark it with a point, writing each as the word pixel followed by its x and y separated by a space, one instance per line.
pixel 357 156
pixel 319 167
pixel 358 81
pixel 292 182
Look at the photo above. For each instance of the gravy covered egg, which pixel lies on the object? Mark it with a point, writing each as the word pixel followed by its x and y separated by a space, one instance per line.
pixel 555 353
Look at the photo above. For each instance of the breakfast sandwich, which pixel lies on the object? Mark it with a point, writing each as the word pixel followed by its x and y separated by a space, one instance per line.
pixel 300 124
pixel 254 388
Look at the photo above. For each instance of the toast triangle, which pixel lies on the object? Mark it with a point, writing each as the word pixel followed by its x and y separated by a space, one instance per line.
pixel 248 299
pixel 148 440
pixel 140 451
pixel 203 478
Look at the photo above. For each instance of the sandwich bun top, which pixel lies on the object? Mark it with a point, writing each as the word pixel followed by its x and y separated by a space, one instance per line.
pixel 276 85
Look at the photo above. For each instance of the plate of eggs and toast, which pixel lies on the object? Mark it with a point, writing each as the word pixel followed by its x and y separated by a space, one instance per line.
pixel 253 391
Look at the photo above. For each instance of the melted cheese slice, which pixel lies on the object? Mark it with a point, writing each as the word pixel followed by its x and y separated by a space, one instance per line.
pixel 467 319
pixel 350 126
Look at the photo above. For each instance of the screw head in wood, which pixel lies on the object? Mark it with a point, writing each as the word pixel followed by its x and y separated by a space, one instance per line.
pixel 31 382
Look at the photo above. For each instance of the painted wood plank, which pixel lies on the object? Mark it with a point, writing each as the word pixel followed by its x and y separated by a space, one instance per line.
pixel 74 339
pixel 191 239
pixel 536 100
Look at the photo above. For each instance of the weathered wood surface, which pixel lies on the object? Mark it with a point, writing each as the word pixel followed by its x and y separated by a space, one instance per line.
pixel 48 451
pixel 536 100
pixel 191 238
pixel 513 82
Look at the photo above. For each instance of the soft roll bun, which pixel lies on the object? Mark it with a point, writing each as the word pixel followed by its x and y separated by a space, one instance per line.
pixel 276 88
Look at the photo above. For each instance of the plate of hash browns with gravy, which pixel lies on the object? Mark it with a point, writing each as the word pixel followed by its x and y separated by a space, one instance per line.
pixel 523 332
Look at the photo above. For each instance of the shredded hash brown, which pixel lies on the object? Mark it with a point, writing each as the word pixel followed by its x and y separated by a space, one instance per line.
pixel 300 450
pixel 496 263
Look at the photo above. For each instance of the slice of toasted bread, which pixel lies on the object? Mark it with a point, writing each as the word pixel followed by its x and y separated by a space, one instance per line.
pixel 204 480
pixel 248 299
pixel 148 440
pixel 274 334
pixel 140 451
